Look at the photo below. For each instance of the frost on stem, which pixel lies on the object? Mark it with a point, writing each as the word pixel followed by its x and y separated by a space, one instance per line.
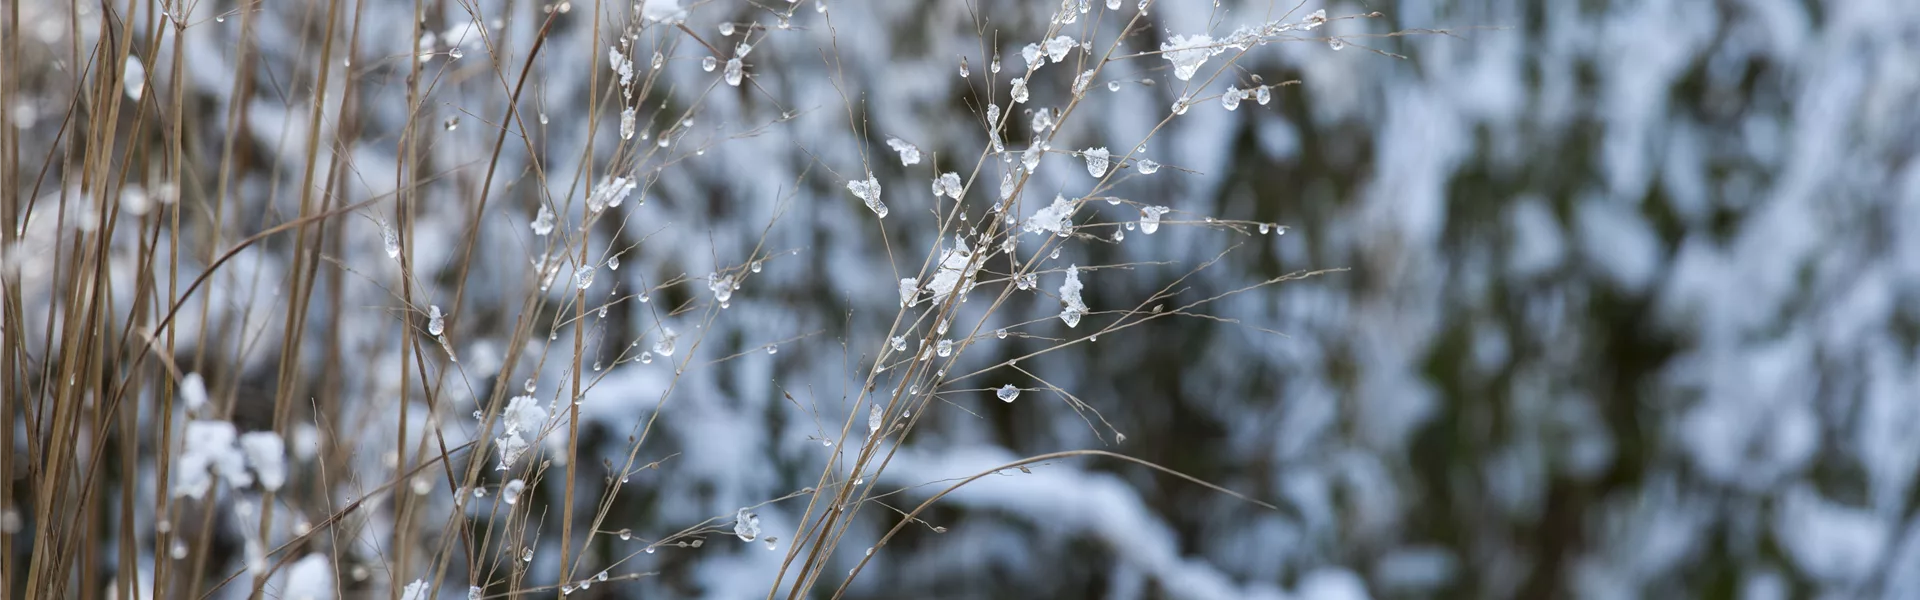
pixel 721 286
pixel 909 292
pixel 1188 52
pixel 868 191
pixel 746 525
pixel 610 192
pixel 956 266
pixel 390 239
pixel 1058 47
pixel 523 416
pixel 947 184
pixel 1150 218
pixel 622 65
pixel 583 277
pixel 1056 218
pixel 1032 55
pixel 664 346
pixel 1070 296
pixel 1096 161
pixel 543 221
pixel 909 153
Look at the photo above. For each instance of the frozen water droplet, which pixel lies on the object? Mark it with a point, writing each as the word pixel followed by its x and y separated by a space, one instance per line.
pixel 1019 90
pixel 1000 333
pixel 1150 218
pixel 451 123
pixel 1113 86
pixel 1336 44
pixel 436 322
pixel 964 73
pixel 745 525
pixel 755 267
pixel 391 239
pixel 1147 167
pixel 628 122
pixel 708 64
pixel 726 28
pixel 735 71
pixel 658 59
pixel 1096 161
pixel 899 343
pixel 868 191
pixel 874 415
pixel 626 534
pixel 511 491
pixel 1230 100
pixel 772 349
pixel 1007 393
pixel 613 262
pixel 1180 106
pixel 944 348
pixel 1262 95
pixel 583 277
pixel 529 385
pixel 526 555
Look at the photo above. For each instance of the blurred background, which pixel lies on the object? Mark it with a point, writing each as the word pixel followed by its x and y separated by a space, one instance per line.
pixel 1631 305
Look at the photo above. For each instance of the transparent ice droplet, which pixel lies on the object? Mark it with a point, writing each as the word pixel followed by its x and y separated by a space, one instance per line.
pixel 944 348
pixel 1147 166
pixel 1007 393
pixel 1150 218
pixel 583 277
pixel 1230 100
pixel 709 63
pixel 746 525
pixel 1097 160
pixel 735 71
pixel 1000 333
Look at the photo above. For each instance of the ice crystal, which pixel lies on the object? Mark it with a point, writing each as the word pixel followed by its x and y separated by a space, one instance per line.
pixel 869 191
pixel 1187 53
pixel 909 153
pixel 746 525
pixel 1056 218
pixel 1058 47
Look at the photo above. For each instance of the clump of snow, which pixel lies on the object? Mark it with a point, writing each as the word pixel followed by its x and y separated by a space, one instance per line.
pixel 1073 307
